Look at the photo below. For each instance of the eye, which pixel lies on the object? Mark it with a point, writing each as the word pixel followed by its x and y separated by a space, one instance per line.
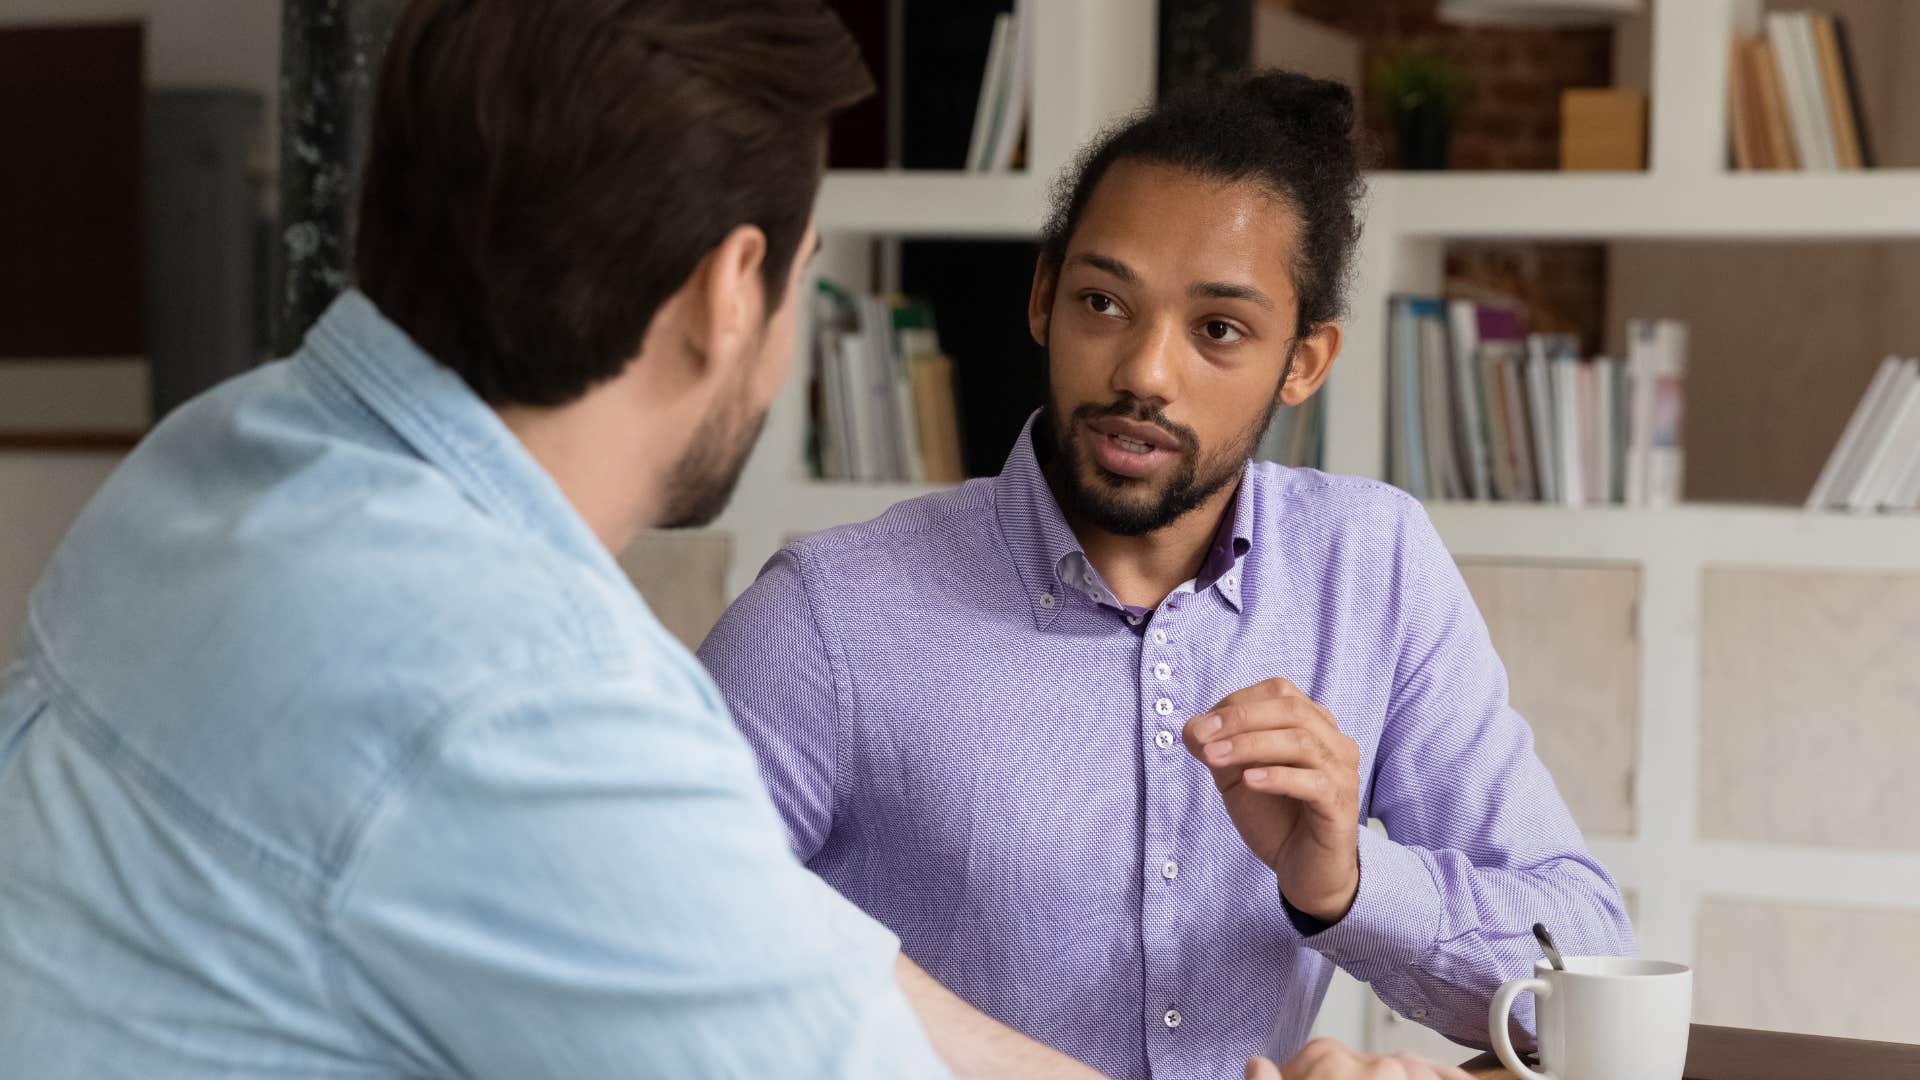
pixel 1102 304
pixel 1221 331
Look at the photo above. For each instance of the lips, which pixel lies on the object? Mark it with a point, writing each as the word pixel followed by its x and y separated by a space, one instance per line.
pixel 1134 432
pixel 1130 449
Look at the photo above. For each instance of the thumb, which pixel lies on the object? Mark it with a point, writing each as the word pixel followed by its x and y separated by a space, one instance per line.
pixel 1262 1069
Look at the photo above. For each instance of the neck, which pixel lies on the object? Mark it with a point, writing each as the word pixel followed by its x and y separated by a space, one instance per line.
pixel 603 461
pixel 1142 570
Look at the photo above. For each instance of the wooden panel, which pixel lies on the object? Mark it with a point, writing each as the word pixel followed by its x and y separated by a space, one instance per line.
pixel 683 576
pixel 70 123
pixel 1816 970
pixel 1568 634
pixel 1809 707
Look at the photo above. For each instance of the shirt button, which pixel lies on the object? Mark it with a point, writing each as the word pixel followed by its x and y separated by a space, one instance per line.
pixel 1162 672
pixel 1229 581
pixel 1134 620
pixel 1172 1018
pixel 1159 636
pixel 1169 869
pixel 1088 578
pixel 1046 601
pixel 1164 740
pixel 1163 707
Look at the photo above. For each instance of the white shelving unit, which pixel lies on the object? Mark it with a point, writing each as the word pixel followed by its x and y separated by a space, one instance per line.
pixel 1099 65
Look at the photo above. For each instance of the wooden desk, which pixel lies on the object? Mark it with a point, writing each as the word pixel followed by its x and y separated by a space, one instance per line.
pixel 1719 1053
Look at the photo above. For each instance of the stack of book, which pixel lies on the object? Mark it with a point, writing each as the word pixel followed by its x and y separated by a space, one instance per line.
pixel 1793 97
pixel 1478 408
pixel 1876 465
pixel 883 400
pixel 1000 116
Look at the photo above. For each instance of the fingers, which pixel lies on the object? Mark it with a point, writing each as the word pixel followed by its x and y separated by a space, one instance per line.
pixel 1262 1069
pixel 1286 746
pixel 1275 703
pixel 1325 1059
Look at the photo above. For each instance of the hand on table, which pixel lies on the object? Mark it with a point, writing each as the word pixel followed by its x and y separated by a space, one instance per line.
pixel 1325 1059
pixel 1291 783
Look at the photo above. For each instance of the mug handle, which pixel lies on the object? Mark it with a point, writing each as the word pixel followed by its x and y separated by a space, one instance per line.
pixel 1497 1024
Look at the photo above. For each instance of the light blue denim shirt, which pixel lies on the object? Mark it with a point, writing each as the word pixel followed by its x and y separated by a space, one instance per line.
pixel 338 746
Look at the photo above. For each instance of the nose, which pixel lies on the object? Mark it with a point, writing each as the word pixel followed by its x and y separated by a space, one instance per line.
pixel 1150 363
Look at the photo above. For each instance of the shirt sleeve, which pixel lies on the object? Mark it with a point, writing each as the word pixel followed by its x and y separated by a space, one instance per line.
pixel 769 656
pixel 1482 846
pixel 593 884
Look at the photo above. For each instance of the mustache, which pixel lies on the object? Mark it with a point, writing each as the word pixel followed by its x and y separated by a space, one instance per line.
pixel 1131 408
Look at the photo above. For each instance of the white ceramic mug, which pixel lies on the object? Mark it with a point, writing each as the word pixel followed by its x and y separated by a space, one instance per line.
pixel 1604 1018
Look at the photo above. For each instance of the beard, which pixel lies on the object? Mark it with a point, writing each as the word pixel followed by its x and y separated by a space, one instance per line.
pixel 703 479
pixel 1136 506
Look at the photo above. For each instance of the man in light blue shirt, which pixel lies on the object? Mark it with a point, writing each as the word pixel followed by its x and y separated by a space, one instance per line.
pixel 337 743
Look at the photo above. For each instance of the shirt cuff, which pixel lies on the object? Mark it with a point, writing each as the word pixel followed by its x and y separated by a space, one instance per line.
pixel 1396 914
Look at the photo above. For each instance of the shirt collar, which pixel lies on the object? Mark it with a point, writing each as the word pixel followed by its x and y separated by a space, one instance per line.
pixel 1049 558
pixel 446 423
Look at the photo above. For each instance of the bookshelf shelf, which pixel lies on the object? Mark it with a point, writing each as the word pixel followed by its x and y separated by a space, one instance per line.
pixel 1880 204
pixel 1703 533
pixel 913 203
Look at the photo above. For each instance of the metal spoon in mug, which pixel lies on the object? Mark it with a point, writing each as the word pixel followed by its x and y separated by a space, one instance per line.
pixel 1546 942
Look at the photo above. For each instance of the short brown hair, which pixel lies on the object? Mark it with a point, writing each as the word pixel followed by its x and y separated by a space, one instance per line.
pixel 543 174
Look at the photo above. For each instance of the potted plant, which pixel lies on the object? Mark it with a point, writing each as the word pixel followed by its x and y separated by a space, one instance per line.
pixel 1423 91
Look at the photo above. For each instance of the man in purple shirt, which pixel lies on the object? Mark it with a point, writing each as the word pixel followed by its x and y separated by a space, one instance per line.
pixel 1098 737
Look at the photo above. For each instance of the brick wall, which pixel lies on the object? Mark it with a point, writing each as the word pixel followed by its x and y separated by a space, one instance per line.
pixel 1512 119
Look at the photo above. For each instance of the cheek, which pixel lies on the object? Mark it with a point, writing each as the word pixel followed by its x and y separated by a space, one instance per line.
pixel 1080 364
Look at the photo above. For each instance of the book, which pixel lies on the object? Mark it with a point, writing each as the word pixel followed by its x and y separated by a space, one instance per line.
pixel 1606 478
pixel 1850 79
pixel 1742 111
pixel 1620 435
pixel 1542 351
pixel 1443 469
pixel 1764 68
pixel 1642 342
pixel 937 76
pixel 1403 387
pixel 1503 335
pixel 929 381
pixel 986 111
pixel 1835 91
pixel 1666 455
pixel 1836 478
pixel 1016 82
pixel 1463 346
pixel 1875 478
pixel 1565 373
pixel 1799 77
pixel 1512 365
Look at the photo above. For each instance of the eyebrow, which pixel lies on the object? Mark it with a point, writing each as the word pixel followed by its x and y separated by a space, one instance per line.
pixel 1218 290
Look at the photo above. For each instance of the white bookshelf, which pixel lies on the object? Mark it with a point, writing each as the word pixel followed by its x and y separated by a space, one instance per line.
pixel 1099 65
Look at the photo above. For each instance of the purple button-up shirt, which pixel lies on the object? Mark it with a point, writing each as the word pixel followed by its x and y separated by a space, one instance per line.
pixel 968 738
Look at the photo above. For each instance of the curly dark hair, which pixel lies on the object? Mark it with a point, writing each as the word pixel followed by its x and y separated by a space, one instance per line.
pixel 1290 133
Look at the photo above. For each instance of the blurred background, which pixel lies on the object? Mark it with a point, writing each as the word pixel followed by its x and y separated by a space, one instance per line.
pixel 1632 312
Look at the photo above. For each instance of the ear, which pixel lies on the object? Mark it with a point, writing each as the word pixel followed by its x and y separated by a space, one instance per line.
pixel 727 300
pixel 1040 303
pixel 1313 358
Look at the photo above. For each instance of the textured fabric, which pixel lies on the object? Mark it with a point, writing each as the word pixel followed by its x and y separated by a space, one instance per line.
pixel 340 747
pixel 986 757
